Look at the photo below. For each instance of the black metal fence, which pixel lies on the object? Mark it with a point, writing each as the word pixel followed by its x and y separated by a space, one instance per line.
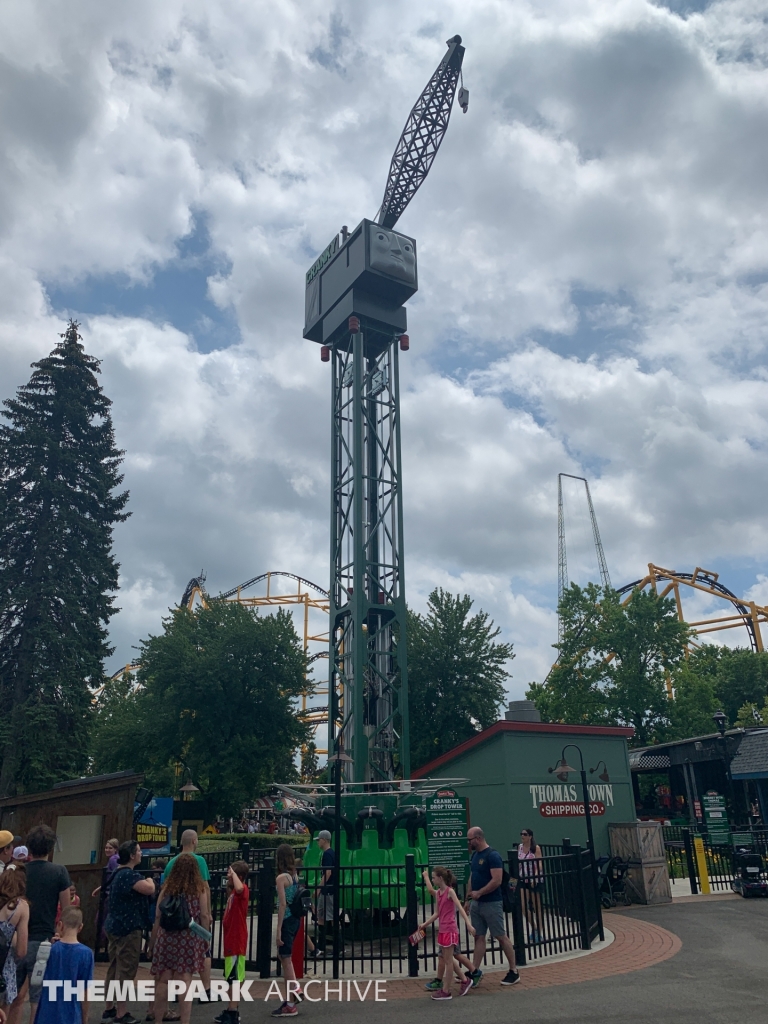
pixel 555 910
pixel 719 851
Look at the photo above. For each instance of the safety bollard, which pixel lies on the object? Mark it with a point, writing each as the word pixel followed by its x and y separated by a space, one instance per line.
pixel 701 864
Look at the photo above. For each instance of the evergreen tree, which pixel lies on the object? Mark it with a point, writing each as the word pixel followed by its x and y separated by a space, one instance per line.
pixel 58 471
pixel 456 674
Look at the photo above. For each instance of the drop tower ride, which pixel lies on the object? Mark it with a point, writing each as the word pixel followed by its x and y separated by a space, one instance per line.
pixel 355 309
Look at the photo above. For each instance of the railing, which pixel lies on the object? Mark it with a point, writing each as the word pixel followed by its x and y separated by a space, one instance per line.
pixel 555 910
pixel 682 863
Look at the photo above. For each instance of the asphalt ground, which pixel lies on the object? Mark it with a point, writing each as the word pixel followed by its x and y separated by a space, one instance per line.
pixel 720 974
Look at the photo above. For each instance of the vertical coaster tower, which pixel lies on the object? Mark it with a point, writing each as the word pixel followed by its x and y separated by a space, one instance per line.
pixel 354 307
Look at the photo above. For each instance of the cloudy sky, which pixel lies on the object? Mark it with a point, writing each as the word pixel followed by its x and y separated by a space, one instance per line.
pixel 593 269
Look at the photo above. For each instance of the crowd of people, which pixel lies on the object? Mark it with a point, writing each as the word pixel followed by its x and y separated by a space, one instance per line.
pixel 40 921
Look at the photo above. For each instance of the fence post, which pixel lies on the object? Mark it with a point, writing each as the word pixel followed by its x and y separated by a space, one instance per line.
pixel 518 933
pixel 596 893
pixel 411 913
pixel 581 896
pixel 266 888
pixel 690 861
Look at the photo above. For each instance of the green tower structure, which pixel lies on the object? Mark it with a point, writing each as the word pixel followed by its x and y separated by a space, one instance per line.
pixel 354 308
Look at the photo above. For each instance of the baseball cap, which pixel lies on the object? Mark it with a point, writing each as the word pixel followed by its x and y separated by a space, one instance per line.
pixel 6 838
pixel 324 834
pixel 19 852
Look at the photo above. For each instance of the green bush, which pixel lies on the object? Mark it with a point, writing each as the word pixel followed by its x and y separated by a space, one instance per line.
pixel 260 840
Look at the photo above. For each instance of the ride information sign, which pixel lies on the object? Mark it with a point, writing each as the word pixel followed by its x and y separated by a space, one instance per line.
pixel 447 827
pixel 716 817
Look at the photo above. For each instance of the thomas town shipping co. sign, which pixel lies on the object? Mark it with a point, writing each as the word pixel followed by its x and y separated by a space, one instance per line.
pixel 562 801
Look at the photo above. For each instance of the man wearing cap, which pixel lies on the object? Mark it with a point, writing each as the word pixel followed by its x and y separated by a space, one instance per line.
pixel 325 892
pixel 6 850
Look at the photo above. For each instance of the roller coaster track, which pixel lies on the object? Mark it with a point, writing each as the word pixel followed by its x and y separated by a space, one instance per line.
pixel 748 614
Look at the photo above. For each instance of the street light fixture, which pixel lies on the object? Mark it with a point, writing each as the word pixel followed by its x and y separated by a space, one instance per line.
pixel 338 760
pixel 562 769
pixel 603 776
pixel 721 721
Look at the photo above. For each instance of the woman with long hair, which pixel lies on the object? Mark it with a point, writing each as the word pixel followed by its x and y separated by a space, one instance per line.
pixel 14 922
pixel 287 883
pixel 531 882
pixel 179 954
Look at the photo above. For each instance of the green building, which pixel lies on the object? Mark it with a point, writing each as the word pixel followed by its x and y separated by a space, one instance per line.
pixel 509 787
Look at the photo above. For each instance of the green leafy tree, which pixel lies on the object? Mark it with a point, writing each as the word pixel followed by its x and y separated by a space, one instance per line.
pixel 695 702
pixel 59 469
pixel 750 715
pixel 614 661
pixel 456 674
pixel 216 694
pixel 574 691
pixel 741 677
pixel 309 765
pixel 648 642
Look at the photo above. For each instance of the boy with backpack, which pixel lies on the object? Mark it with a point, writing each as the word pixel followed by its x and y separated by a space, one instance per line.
pixel 70 963
pixel 235 928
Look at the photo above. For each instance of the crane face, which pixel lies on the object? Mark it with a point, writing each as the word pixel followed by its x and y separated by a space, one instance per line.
pixel 393 254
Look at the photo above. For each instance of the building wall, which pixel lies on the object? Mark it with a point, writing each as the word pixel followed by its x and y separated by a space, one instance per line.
pixel 508 779
pixel 111 801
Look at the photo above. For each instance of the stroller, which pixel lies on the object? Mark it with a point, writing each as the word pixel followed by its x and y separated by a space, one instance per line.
pixel 612 874
pixel 749 875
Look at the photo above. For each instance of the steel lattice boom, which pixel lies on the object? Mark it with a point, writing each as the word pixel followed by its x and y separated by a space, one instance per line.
pixel 424 130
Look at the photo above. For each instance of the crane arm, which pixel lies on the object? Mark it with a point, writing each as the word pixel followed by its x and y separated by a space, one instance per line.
pixel 424 130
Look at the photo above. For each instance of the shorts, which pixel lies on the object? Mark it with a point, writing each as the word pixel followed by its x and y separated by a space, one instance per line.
pixel 447 938
pixel 288 934
pixel 24 970
pixel 531 884
pixel 324 908
pixel 486 917
pixel 234 968
pixel 124 952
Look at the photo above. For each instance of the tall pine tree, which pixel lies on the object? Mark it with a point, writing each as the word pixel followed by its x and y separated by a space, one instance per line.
pixel 58 472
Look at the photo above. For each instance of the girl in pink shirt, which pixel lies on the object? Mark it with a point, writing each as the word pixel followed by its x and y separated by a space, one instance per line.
pixel 448 903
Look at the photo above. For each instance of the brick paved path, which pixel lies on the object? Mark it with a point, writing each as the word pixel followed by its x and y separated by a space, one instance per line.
pixel 637 944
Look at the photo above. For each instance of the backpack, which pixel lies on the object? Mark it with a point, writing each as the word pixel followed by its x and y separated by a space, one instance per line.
pixel 301 904
pixel 508 892
pixel 174 913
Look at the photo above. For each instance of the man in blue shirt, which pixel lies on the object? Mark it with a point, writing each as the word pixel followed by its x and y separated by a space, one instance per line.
pixel 486 912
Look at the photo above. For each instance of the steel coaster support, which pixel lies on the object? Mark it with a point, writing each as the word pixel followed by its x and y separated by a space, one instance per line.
pixel 368 684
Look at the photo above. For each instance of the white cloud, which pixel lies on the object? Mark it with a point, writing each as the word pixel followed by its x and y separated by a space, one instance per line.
pixel 593 266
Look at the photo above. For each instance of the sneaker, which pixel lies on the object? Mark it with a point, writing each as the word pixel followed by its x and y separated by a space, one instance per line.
pixel 465 986
pixel 510 978
pixel 228 1017
pixel 476 977
pixel 286 1010
pixel 127 1018
pixel 434 985
pixel 109 1014
pixel 441 994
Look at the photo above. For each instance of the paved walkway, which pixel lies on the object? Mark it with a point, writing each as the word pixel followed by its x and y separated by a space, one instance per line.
pixel 697 959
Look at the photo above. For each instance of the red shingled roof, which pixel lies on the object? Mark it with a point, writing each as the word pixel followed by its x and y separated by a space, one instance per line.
pixel 505 726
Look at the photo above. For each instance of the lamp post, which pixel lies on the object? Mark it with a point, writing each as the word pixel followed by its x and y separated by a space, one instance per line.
pixel 338 760
pixel 721 721
pixel 562 769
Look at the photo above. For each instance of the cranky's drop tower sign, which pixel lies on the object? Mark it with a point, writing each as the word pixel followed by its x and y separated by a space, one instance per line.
pixel 354 307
